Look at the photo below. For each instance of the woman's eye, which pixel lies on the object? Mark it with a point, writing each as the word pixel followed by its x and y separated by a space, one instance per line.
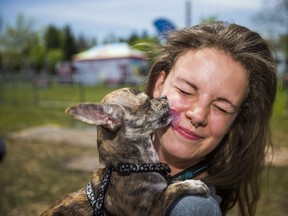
pixel 221 109
pixel 224 110
pixel 185 92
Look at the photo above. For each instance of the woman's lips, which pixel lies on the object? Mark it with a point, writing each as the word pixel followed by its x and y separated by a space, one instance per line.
pixel 182 131
pixel 187 133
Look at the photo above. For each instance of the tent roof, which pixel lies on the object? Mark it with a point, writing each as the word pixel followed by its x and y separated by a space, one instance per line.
pixel 109 51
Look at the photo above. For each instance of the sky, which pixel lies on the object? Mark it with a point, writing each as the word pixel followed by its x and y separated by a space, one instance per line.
pixel 101 18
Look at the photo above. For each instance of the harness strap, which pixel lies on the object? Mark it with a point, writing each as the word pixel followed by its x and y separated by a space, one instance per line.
pixel 97 204
pixel 191 172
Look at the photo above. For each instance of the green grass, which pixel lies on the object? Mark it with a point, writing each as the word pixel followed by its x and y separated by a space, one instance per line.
pixel 24 106
pixel 33 175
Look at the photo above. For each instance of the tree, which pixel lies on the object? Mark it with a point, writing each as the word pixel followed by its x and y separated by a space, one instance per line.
pixel 276 13
pixel 68 45
pixel 52 57
pixel 82 43
pixel 16 43
pixel 52 37
pixel 36 57
pixel 209 19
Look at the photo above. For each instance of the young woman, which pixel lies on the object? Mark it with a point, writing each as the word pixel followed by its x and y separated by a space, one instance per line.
pixel 220 80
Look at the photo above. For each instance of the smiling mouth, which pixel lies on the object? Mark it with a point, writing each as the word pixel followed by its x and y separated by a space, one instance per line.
pixel 187 134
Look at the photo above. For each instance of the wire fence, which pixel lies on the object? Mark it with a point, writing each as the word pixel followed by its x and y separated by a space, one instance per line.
pixel 52 90
pixel 40 91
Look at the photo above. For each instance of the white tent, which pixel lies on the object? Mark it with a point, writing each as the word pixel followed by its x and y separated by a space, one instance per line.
pixel 109 63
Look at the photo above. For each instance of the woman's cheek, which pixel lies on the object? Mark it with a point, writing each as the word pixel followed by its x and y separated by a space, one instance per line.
pixel 177 103
pixel 219 127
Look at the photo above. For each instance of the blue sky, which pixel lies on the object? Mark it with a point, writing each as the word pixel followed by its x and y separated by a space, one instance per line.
pixel 100 18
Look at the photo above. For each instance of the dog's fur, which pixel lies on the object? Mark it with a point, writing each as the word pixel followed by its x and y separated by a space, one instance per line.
pixel 126 119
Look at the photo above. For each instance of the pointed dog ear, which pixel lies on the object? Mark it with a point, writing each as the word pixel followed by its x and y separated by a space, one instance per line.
pixel 106 115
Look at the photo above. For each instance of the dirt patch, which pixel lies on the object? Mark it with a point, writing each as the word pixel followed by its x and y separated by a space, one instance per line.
pixel 280 157
pixel 58 135
pixel 87 138
pixel 86 163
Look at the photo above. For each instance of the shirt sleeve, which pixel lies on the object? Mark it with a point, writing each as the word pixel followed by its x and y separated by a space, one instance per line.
pixel 204 205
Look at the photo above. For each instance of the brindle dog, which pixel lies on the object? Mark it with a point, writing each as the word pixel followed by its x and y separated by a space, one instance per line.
pixel 125 120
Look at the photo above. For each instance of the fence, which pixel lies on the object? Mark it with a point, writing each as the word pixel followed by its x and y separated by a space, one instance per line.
pixel 51 91
pixel 43 91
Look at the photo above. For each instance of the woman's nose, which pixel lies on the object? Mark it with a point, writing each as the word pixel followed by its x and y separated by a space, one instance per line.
pixel 198 114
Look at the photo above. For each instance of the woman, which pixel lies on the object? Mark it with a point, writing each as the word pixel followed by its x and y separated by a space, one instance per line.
pixel 220 80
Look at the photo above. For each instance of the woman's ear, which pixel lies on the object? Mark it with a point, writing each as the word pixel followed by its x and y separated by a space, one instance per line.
pixel 159 84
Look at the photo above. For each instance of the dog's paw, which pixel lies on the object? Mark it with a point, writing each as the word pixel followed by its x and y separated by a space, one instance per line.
pixel 197 186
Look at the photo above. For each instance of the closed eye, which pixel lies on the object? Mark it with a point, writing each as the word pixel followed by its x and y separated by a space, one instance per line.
pixel 186 93
pixel 225 110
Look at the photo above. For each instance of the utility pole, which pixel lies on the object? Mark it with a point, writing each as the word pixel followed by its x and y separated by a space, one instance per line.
pixel 188 17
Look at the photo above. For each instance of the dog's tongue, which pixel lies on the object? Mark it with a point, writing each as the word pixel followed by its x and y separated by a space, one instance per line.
pixel 176 118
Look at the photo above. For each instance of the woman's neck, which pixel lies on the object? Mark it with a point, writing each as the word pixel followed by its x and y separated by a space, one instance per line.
pixel 176 165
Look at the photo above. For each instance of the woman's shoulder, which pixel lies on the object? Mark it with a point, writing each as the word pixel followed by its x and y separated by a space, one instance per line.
pixel 197 205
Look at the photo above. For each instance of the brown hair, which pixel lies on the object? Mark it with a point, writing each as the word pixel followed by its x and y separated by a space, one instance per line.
pixel 238 161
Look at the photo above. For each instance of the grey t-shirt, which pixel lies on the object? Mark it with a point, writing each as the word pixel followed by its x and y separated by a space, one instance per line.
pixel 200 205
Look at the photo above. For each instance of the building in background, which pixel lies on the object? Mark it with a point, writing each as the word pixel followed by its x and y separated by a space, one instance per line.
pixel 114 63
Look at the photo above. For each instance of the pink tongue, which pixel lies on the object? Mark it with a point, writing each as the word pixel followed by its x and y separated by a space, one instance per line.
pixel 176 118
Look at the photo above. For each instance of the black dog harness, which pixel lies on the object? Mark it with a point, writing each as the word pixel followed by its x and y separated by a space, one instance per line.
pixel 97 204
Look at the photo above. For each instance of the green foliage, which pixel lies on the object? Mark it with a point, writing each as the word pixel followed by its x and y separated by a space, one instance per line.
pixel 52 57
pixel 282 43
pixel 68 45
pixel 16 42
pixel 209 19
pixel 22 47
pixel 37 56
pixel 52 37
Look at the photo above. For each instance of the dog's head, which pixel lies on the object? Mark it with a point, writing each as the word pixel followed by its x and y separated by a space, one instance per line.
pixel 124 115
pixel 128 108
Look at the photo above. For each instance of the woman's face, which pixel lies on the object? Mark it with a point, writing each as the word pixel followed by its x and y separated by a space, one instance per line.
pixel 206 87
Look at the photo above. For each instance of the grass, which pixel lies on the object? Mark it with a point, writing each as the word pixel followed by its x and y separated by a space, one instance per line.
pixel 25 106
pixel 33 175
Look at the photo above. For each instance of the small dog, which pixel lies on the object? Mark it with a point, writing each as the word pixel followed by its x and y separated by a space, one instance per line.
pixel 134 181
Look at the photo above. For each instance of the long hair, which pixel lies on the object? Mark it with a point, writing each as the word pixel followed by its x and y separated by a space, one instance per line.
pixel 237 163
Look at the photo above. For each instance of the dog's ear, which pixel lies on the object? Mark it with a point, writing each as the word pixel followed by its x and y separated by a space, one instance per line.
pixel 106 115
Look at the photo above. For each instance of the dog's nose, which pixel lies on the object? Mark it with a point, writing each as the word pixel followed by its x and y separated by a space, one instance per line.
pixel 163 97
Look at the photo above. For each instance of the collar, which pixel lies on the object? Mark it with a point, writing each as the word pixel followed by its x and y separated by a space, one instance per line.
pixel 97 204
pixel 128 168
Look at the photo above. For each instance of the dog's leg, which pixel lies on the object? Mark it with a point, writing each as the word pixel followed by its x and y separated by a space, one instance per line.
pixel 73 204
pixel 174 191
